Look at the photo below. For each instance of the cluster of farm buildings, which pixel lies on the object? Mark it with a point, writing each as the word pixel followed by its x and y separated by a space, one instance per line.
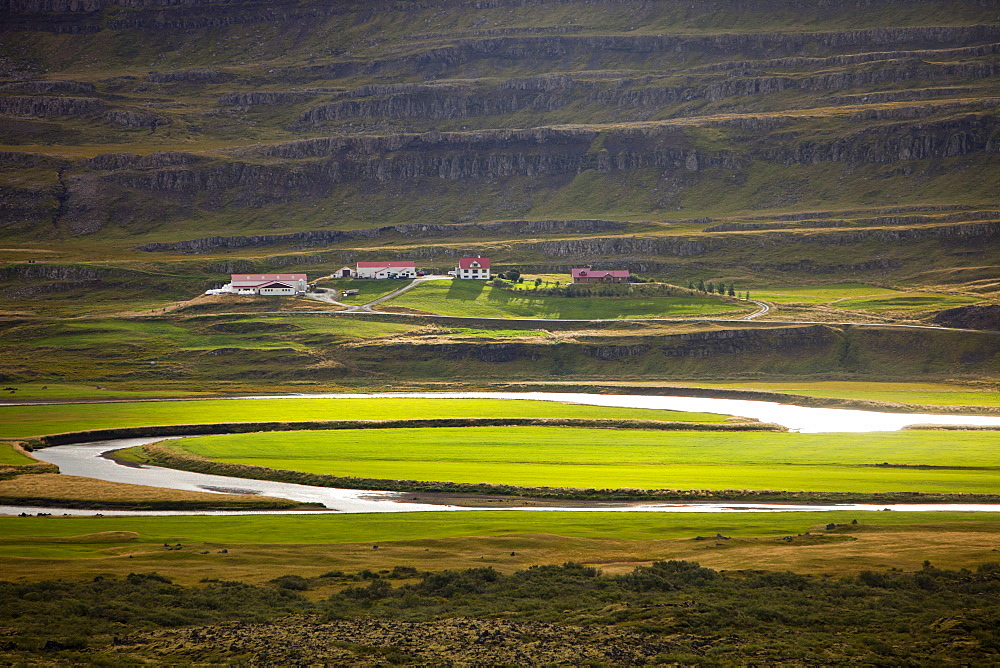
pixel 471 268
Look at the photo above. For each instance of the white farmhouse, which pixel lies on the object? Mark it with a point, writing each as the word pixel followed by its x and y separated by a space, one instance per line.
pixel 267 284
pixel 472 267
pixel 393 269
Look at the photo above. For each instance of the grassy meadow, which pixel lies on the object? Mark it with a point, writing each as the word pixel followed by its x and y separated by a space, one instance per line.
pixel 476 299
pixel 264 546
pixel 24 421
pixel 585 458
pixel 917 393
pixel 11 457
pixel 62 491
pixel 917 302
pixel 821 294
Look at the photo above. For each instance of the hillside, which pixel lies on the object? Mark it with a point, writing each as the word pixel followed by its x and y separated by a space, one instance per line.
pixel 766 143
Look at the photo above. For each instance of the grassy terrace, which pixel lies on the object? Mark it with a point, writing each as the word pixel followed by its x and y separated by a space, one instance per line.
pixel 822 294
pixel 23 421
pixel 927 394
pixel 582 458
pixel 11 457
pixel 472 298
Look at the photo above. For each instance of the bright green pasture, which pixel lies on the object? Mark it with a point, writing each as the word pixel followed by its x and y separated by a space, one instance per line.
pixel 369 289
pixel 22 421
pixel 576 457
pixel 931 394
pixel 251 332
pixel 911 301
pixel 11 457
pixel 820 294
pixel 54 391
pixel 379 527
pixel 466 332
pixel 474 298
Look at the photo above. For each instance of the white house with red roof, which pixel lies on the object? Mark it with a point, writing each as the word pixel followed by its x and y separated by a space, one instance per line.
pixel 588 275
pixel 477 268
pixel 267 284
pixel 387 269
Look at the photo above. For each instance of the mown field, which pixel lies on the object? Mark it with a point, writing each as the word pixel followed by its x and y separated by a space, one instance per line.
pixel 476 299
pixel 585 458
pixel 24 421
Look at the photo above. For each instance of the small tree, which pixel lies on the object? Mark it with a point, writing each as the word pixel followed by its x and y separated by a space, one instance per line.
pixel 732 289
pixel 701 285
pixel 690 285
pixel 538 282
pixel 710 287
pixel 513 275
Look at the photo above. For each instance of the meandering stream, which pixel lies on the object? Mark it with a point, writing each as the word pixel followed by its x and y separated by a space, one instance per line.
pixel 85 459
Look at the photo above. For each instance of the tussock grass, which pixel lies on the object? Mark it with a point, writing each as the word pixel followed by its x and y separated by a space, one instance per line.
pixel 61 491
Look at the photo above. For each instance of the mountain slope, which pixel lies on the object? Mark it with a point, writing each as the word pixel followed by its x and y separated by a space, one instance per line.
pixel 713 139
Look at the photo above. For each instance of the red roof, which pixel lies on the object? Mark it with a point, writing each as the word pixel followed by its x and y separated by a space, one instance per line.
pixel 394 263
pixel 588 272
pixel 466 262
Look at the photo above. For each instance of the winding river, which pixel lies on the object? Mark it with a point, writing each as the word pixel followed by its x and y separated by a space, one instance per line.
pixel 85 459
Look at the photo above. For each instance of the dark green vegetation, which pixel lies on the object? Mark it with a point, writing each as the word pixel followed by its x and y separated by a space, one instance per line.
pixel 237 353
pixel 668 612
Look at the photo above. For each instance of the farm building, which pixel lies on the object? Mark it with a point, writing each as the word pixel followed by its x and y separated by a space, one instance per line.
pixel 394 269
pixel 264 284
pixel 343 272
pixel 588 275
pixel 472 267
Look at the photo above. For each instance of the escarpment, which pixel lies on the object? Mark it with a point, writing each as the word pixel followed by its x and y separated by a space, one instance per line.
pixel 424 231
pixel 316 168
pixel 663 136
pixel 35 105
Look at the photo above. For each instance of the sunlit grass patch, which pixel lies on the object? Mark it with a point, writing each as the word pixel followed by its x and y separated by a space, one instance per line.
pixel 908 302
pixel 75 491
pixel 10 456
pixel 466 332
pixel 601 458
pixel 820 294
pixel 18 421
pixel 471 298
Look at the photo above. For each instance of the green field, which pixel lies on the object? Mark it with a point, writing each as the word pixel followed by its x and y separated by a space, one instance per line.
pixel 911 301
pixel 11 457
pixel 368 289
pixel 474 298
pixel 196 334
pixel 22 421
pixel 324 529
pixel 584 458
pixel 929 394
pixel 820 294
pixel 469 333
